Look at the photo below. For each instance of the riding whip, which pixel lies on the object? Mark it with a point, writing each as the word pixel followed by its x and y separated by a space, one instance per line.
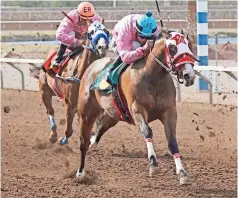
pixel 64 13
pixel 161 22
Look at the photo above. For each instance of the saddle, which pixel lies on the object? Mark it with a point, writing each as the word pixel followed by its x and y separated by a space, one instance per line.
pixel 69 54
pixel 101 84
pixel 56 72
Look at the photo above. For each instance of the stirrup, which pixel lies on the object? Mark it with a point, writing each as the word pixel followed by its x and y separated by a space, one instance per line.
pixel 61 78
pixel 54 66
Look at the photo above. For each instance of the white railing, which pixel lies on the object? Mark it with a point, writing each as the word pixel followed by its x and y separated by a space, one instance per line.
pixel 12 61
pixel 228 70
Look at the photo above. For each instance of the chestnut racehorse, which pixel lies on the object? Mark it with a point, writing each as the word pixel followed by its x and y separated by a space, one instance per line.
pixel 96 47
pixel 147 89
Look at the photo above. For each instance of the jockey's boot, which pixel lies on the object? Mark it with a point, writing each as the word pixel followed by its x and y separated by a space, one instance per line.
pixel 59 56
pixel 115 64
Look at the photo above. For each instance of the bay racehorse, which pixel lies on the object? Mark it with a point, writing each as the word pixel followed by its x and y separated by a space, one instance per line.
pixel 65 82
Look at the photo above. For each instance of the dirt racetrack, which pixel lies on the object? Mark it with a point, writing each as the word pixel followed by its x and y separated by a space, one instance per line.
pixel 32 167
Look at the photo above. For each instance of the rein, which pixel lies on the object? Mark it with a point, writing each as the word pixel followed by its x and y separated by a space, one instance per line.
pixel 161 64
pixel 172 70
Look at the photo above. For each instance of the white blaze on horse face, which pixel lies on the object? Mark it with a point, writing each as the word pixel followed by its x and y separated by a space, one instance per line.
pixel 102 47
pixel 190 71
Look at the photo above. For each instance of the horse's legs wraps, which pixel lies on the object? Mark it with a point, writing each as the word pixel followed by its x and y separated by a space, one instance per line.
pixel 104 122
pixel 46 96
pixel 139 115
pixel 169 120
pixel 147 133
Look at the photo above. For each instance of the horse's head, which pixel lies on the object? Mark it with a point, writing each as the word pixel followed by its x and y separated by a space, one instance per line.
pixel 179 56
pixel 99 38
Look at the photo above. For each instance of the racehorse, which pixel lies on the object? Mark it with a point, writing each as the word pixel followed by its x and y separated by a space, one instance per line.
pixel 145 91
pixel 66 85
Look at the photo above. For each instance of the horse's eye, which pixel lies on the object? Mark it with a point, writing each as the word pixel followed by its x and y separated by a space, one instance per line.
pixel 173 50
pixel 99 47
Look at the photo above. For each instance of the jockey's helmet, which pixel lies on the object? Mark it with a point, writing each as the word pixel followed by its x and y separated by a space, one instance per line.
pixel 86 10
pixel 146 25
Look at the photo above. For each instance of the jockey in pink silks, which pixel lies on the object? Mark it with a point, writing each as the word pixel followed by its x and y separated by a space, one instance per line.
pixel 80 19
pixel 133 36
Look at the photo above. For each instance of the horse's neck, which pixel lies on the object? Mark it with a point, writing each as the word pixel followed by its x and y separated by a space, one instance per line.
pixel 152 67
pixel 88 57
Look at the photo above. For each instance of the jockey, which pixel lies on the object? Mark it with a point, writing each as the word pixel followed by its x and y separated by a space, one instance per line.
pixel 81 19
pixel 133 36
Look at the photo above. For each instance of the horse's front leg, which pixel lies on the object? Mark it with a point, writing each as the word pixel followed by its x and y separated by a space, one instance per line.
pixel 71 99
pixel 139 115
pixel 169 120
pixel 104 122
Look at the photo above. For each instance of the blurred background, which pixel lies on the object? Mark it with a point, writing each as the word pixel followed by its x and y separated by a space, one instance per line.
pixel 28 31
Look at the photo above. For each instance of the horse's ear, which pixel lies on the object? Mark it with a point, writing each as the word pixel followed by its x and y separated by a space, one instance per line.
pixel 165 32
pixel 181 31
pixel 188 38
pixel 106 31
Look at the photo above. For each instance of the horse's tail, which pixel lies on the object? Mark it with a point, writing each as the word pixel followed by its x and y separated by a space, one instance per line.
pixel 35 71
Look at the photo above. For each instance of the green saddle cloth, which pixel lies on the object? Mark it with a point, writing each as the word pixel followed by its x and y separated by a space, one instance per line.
pixel 101 84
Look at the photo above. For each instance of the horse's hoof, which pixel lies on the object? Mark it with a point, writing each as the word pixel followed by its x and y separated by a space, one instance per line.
pixel 53 138
pixel 63 141
pixel 80 175
pixel 154 170
pixel 184 179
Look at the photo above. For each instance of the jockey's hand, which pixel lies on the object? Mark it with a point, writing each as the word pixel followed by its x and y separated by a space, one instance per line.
pixel 148 45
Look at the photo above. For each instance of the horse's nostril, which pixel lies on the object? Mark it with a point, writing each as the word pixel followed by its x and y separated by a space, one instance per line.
pixel 186 76
pixel 100 47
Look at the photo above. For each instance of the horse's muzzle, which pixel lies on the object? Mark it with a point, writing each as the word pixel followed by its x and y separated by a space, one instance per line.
pixel 188 81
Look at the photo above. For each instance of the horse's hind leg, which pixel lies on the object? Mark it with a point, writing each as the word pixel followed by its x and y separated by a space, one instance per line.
pixel 169 119
pixel 139 115
pixel 46 96
pixel 104 122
